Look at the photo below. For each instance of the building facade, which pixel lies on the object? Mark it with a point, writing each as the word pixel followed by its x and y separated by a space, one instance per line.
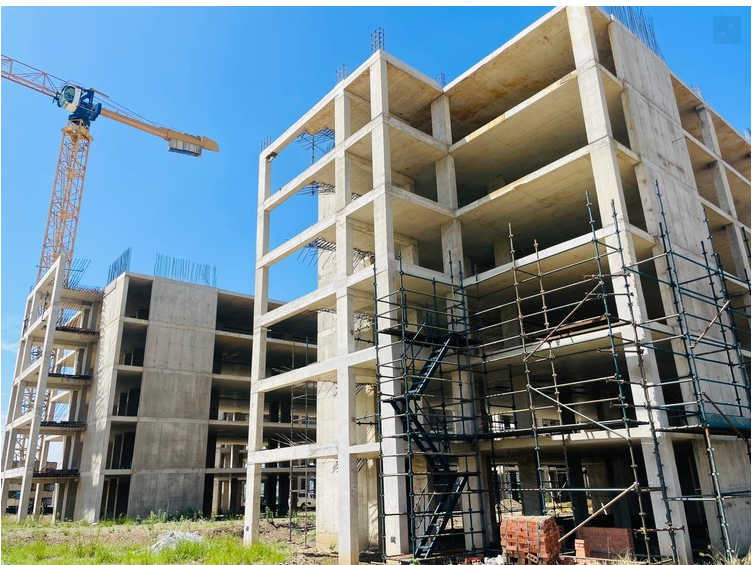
pixel 144 401
pixel 537 301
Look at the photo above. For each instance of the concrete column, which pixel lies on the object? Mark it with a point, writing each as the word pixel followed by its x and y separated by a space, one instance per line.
pixel 510 325
pixel 347 473
pixel 56 271
pixel 347 480
pixel 609 189
pixel 225 504
pixel 38 493
pixel 75 459
pixel 620 475
pixel 55 503
pixel 284 495
pixel 397 539
pixel 576 479
pixel 739 253
pixel 258 367
pixel 342 122
pixel 39 487
pixel 327 470
pixel 673 487
pixel 582 35
pixel 409 255
pixel 215 497
pixel 446 181
pixel 441 123
pixel 379 88
pixel 451 248
pixel 531 500
pixel 215 482
pixel 69 500
pixel 502 252
pixel 271 492
pixel 342 165
pixel 523 418
pixel 80 413
pixel 723 190
pixel 235 495
pixel 474 506
pixel 380 146
pixel 4 491
pixel 10 433
pixel 598 478
pixel 342 175
pixel 344 251
pixel 285 415
pixel 382 173
pixel 273 411
pixel 709 138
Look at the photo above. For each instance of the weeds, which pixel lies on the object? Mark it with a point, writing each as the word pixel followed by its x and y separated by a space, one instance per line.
pixel 222 550
pixel 719 558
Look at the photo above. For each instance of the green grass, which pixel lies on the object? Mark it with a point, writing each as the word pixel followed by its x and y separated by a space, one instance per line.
pixel 78 553
pixel 222 550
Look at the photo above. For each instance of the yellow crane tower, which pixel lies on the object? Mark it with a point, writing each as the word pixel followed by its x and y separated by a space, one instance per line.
pixel 62 222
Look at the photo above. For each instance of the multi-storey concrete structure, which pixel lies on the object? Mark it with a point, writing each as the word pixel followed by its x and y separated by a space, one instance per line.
pixel 559 292
pixel 146 391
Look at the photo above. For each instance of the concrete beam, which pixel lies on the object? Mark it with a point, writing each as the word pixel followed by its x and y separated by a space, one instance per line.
pixel 282 454
pixel 321 371
pixel 310 301
pixel 295 243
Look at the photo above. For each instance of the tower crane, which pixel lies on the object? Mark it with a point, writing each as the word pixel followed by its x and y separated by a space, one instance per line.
pixel 85 105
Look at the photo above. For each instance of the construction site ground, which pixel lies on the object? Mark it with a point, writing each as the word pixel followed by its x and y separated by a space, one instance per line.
pixel 140 536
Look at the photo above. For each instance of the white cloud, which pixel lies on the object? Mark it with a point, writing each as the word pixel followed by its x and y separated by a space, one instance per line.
pixel 11 346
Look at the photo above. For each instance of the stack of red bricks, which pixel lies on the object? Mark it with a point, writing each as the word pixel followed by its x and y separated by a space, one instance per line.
pixel 607 542
pixel 530 540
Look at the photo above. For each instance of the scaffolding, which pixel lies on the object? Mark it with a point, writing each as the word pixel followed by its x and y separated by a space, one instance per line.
pixel 544 320
pixel 538 323
pixel 710 329
pixel 427 393
pixel 524 367
pixel 302 471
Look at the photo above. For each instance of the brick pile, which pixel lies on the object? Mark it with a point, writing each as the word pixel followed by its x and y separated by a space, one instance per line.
pixel 530 540
pixel 607 542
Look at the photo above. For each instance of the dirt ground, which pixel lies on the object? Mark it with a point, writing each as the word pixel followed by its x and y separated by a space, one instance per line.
pixel 145 534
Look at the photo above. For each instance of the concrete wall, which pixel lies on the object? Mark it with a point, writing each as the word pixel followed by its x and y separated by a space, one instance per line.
pixel 733 470
pixel 657 134
pixel 96 439
pixel 170 450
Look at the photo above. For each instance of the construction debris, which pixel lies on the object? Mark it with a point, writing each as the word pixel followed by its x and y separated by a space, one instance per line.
pixel 171 539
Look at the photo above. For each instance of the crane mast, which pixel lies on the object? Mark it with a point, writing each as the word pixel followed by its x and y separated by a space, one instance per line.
pixel 62 221
pixel 65 205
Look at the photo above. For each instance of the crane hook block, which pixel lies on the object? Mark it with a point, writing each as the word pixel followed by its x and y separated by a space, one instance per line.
pixel 80 102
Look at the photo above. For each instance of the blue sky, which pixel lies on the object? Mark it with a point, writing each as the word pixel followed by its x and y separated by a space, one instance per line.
pixel 236 75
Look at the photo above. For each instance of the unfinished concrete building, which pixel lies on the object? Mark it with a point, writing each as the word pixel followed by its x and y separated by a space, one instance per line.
pixel 535 301
pixel 139 394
